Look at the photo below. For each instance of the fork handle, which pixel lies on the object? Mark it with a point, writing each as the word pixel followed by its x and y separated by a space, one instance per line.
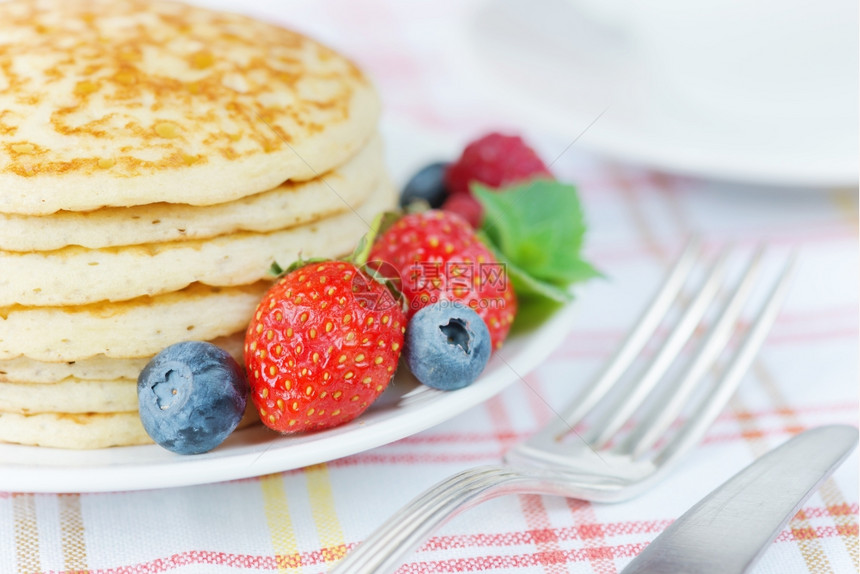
pixel 384 550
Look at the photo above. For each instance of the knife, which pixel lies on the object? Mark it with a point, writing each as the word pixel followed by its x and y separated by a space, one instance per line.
pixel 729 530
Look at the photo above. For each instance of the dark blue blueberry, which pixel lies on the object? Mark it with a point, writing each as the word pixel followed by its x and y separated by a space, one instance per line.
pixel 426 185
pixel 191 396
pixel 447 345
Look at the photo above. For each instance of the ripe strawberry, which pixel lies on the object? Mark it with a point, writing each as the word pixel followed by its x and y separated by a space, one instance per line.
pixel 495 160
pixel 323 345
pixel 440 257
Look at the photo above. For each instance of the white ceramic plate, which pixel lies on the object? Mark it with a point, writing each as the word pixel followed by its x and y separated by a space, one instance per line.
pixel 559 72
pixel 405 408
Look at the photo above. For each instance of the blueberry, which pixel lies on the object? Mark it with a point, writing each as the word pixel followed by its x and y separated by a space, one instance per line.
pixel 428 184
pixel 447 345
pixel 191 396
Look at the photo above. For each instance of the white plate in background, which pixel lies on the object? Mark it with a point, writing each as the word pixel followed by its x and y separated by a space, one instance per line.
pixel 556 70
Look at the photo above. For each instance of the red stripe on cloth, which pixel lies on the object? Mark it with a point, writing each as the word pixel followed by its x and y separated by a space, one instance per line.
pixel 584 532
pixel 564 534
pixel 543 536
pixel 430 438
pixel 781 412
pixel 519 561
pixel 827 315
pixel 593 534
pixel 397 458
pixel 843 509
pixel 442 438
pixel 828 231
pixel 790 430
pixel 818 532
pixel 501 423
pixel 778 338
pixel 477 564
pixel 200 557
pixel 599 344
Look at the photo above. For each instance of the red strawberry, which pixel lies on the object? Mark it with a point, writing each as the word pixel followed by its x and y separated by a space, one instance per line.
pixel 495 160
pixel 439 256
pixel 323 345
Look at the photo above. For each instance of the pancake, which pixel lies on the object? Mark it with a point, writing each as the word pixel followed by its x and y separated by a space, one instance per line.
pixel 70 396
pixel 287 205
pixel 26 370
pixel 79 276
pixel 136 328
pixel 83 431
pixel 131 102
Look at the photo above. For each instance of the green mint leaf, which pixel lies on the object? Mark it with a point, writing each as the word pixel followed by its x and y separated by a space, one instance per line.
pixel 533 313
pixel 578 271
pixel 537 300
pixel 537 228
pixel 527 286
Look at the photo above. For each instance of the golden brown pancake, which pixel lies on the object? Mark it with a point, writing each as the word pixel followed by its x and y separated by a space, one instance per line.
pixel 70 396
pixel 288 205
pixel 83 430
pixel 77 276
pixel 130 102
pixel 136 328
pixel 26 370
pixel 73 430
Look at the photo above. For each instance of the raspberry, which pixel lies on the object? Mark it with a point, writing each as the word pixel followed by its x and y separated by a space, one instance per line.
pixel 495 160
pixel 466 206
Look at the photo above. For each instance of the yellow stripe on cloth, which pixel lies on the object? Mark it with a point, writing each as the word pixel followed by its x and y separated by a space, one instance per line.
pixel 329 531
pixel 72 533
pixel 26 533
pixel 846 201
pixel 811 550
pixel 281 532
pixel 845 520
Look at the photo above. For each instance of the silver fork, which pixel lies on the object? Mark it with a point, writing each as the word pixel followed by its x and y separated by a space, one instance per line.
pixel 670 410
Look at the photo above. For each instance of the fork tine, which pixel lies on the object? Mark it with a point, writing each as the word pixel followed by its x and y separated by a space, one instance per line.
pixel 710 406
pixel 661 415
pixel 637 338
pixel 609 425
pixel 407 528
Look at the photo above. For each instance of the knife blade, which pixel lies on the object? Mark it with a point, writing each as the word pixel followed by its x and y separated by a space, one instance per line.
pixel 729 530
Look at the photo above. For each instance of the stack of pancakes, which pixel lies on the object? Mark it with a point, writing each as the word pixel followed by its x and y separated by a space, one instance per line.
pixel 155 160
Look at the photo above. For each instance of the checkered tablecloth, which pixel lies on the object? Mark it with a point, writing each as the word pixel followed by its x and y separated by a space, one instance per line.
pixel 305 520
